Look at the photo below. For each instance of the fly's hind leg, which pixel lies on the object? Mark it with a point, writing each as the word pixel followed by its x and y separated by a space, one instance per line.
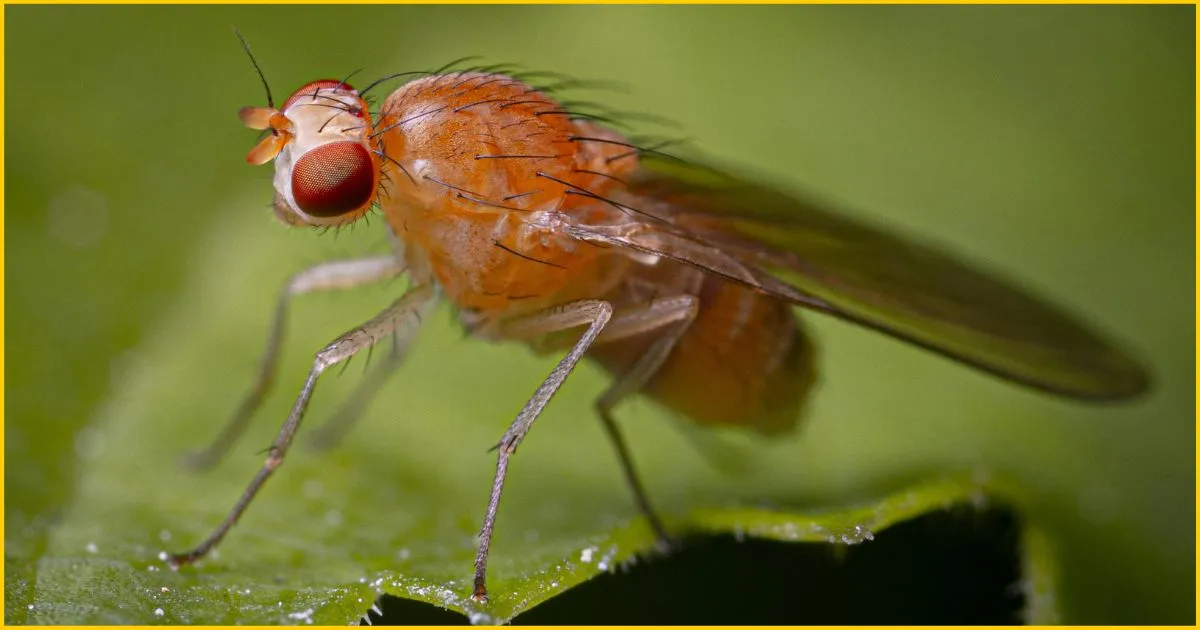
pixel 673 316
pixel 340 274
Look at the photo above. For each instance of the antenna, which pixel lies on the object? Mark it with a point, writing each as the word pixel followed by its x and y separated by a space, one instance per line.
pixel 246 47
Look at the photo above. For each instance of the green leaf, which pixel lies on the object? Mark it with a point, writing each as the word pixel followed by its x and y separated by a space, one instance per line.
pixel 142 264
pixel 395 510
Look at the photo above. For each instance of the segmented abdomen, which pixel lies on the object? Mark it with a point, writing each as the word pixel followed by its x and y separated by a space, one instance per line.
pixel 745 360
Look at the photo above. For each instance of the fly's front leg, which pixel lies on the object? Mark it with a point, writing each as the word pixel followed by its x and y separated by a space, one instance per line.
pixel 593 313
pixel 328 276
pixel 395 318
pixel 331 433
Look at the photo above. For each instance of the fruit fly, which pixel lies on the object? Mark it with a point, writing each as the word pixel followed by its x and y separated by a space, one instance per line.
pixel 537 224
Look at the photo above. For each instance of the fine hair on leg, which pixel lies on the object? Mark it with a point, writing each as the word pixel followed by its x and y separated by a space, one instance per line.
pixel 598 316
pixel 386 322
pixel 328 276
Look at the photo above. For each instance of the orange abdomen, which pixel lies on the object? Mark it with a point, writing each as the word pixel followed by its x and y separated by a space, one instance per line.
pixel 745 361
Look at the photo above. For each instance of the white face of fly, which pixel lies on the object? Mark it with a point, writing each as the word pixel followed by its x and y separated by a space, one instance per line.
pixel 325 123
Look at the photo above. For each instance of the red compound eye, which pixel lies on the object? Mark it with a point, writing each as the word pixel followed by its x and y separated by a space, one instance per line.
pixel 312 92
pixel 333 179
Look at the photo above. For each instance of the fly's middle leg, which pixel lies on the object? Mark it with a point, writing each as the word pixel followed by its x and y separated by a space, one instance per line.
pixel 595 314
pixel 602 326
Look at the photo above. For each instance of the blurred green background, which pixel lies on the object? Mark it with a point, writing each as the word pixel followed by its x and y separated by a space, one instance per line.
pixel 1055 144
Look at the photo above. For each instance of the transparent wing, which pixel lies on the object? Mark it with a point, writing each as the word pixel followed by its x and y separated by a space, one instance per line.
pixel 794 250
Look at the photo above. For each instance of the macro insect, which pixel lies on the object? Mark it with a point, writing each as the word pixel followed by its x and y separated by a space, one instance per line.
pixel 551 228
